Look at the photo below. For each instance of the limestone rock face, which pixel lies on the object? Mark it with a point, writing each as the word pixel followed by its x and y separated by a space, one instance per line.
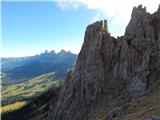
pixel 109 68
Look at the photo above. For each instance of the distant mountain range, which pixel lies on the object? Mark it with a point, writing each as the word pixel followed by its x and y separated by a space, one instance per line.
pixel 19 69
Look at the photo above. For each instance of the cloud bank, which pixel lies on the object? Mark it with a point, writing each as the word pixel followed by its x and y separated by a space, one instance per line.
pixel 117 12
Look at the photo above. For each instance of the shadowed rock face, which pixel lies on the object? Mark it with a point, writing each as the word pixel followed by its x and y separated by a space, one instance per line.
pixel 109 68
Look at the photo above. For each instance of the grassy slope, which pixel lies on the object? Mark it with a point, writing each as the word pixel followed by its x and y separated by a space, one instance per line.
pixel 28 89
pixel 12 107
pixel 37 109
pixel 145 106
pixel 5 77
pixel 139 108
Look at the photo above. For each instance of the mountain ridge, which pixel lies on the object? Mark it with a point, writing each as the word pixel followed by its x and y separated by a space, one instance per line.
pixel 25 68
pixel 109 69
pixel 46 51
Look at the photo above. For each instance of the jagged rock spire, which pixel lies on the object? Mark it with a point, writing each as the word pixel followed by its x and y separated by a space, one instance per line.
pixel 105 27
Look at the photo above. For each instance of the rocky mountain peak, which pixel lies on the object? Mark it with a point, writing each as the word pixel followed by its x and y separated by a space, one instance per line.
pixel 109 69
pixel 139 11
pixel 93 34
pixel 63 51
pixel 100 27
pixel 139 17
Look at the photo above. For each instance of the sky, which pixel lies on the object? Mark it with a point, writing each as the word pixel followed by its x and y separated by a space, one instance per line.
pixel 30 27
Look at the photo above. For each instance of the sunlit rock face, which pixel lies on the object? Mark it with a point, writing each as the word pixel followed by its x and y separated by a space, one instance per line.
pixel 108 68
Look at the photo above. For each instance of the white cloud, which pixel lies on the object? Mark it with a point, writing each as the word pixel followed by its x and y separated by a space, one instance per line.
pixel 119 8
pixel 68 5
pixel 115 11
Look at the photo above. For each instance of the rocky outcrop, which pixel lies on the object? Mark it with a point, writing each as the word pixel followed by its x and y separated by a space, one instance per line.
pixel 108 69
pixel 116 112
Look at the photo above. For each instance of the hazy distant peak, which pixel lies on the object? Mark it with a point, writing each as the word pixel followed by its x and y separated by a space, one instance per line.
pixel 53 52
pixel 62 51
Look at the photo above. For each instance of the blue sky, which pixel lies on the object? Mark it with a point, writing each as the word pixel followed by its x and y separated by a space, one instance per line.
pixel 31 27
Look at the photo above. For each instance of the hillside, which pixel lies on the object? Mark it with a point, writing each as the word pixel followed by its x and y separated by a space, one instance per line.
pixel 115 78
pixel 37 109
pixel 30 89
pixel 17 70
pixel 26 79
